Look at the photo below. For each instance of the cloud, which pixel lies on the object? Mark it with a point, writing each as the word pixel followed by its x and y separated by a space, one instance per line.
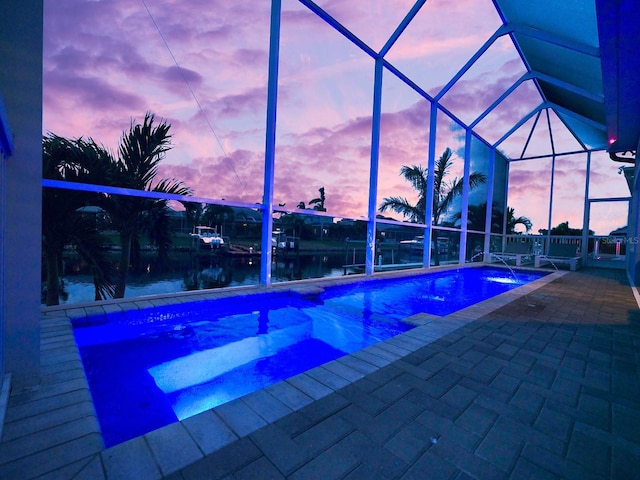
pixel 250 56
pixel 106 63
pixel 92 93
pixel 180 75
pixel 240 103
pixel 218 177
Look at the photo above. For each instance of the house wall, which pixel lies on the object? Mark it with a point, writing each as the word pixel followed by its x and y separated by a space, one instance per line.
pixel 633 229
pixel 21 90
pixel 4 128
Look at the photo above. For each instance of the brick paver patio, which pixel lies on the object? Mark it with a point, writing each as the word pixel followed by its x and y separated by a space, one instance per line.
pixel 547 386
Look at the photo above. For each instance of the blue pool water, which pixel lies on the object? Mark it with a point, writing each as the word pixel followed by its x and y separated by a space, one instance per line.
pixel 149 368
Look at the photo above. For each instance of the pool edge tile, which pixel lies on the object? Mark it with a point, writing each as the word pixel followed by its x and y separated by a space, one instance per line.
pixel 288 394
pixel 241 418
pixel 270 408
pixel 173 447
pixel 209 431
pixel 131 460
pixel 309 386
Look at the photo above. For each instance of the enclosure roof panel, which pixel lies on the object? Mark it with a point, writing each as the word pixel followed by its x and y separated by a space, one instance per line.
pixel 581 55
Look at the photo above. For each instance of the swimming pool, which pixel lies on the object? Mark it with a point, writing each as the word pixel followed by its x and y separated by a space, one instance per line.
pixel 148 368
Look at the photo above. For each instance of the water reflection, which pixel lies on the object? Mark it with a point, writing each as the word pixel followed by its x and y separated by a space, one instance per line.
pixel 188 271
pixel 263 321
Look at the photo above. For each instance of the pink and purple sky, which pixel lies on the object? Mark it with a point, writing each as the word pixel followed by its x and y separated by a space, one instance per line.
pixel 107 62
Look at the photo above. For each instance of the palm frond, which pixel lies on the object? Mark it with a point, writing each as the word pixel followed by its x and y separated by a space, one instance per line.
pixel 402 206
pixel 441 170
pixel 443 195
pixel 172 186
pixel 416 175
pixel 512 221
pixel 141 150
pixel 455 190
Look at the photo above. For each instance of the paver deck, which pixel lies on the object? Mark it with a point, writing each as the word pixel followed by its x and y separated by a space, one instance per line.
pixel 541 385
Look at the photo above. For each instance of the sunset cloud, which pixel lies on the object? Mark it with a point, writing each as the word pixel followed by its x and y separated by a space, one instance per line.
pixel 106 63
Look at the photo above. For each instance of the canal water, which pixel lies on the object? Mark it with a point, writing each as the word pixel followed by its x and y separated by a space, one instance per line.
pixel 188 272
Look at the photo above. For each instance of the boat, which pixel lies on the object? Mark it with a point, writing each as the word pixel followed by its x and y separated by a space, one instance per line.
pixel 416 243
pixel 208 237
pixel 281 242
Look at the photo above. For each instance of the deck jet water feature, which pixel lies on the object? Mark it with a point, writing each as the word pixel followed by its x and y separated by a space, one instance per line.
pixel 513 273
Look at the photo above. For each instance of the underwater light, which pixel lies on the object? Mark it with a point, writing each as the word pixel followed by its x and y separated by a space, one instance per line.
pixel 502 280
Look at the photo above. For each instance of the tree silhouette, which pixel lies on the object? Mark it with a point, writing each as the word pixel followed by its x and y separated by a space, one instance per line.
pixel 512 221
pixel 318 203
pixel 564 229
pixel 443 192
pixel 141 150
pixel 63 223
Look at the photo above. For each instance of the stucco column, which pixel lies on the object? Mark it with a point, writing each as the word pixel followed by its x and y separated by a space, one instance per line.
pixel 21 90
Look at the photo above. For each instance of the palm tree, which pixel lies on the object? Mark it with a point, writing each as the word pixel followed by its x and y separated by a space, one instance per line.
pixel 293 224
pixel 417 176
pixel 194 212
pixel 318 206
pixel 318 203
pixel 443 192
pixel 141 150
pixel 512 221
pixel 62 222
pixel 215 215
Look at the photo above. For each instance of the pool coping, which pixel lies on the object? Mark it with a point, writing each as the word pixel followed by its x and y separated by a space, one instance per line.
pixel 61 413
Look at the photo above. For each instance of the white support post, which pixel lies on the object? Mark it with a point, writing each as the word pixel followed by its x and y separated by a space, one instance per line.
pixel 270 145
pixel 489 214
pixel 553 176
pixel 506 205
pixel 373 170
pixel 428 216
pixel 586 214
pixel 464 204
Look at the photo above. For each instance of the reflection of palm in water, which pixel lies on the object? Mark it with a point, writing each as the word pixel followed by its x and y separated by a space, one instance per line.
pixel 263 322
pixel 185 270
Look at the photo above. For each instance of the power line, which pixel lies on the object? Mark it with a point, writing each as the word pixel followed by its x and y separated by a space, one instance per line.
pixel 193 94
